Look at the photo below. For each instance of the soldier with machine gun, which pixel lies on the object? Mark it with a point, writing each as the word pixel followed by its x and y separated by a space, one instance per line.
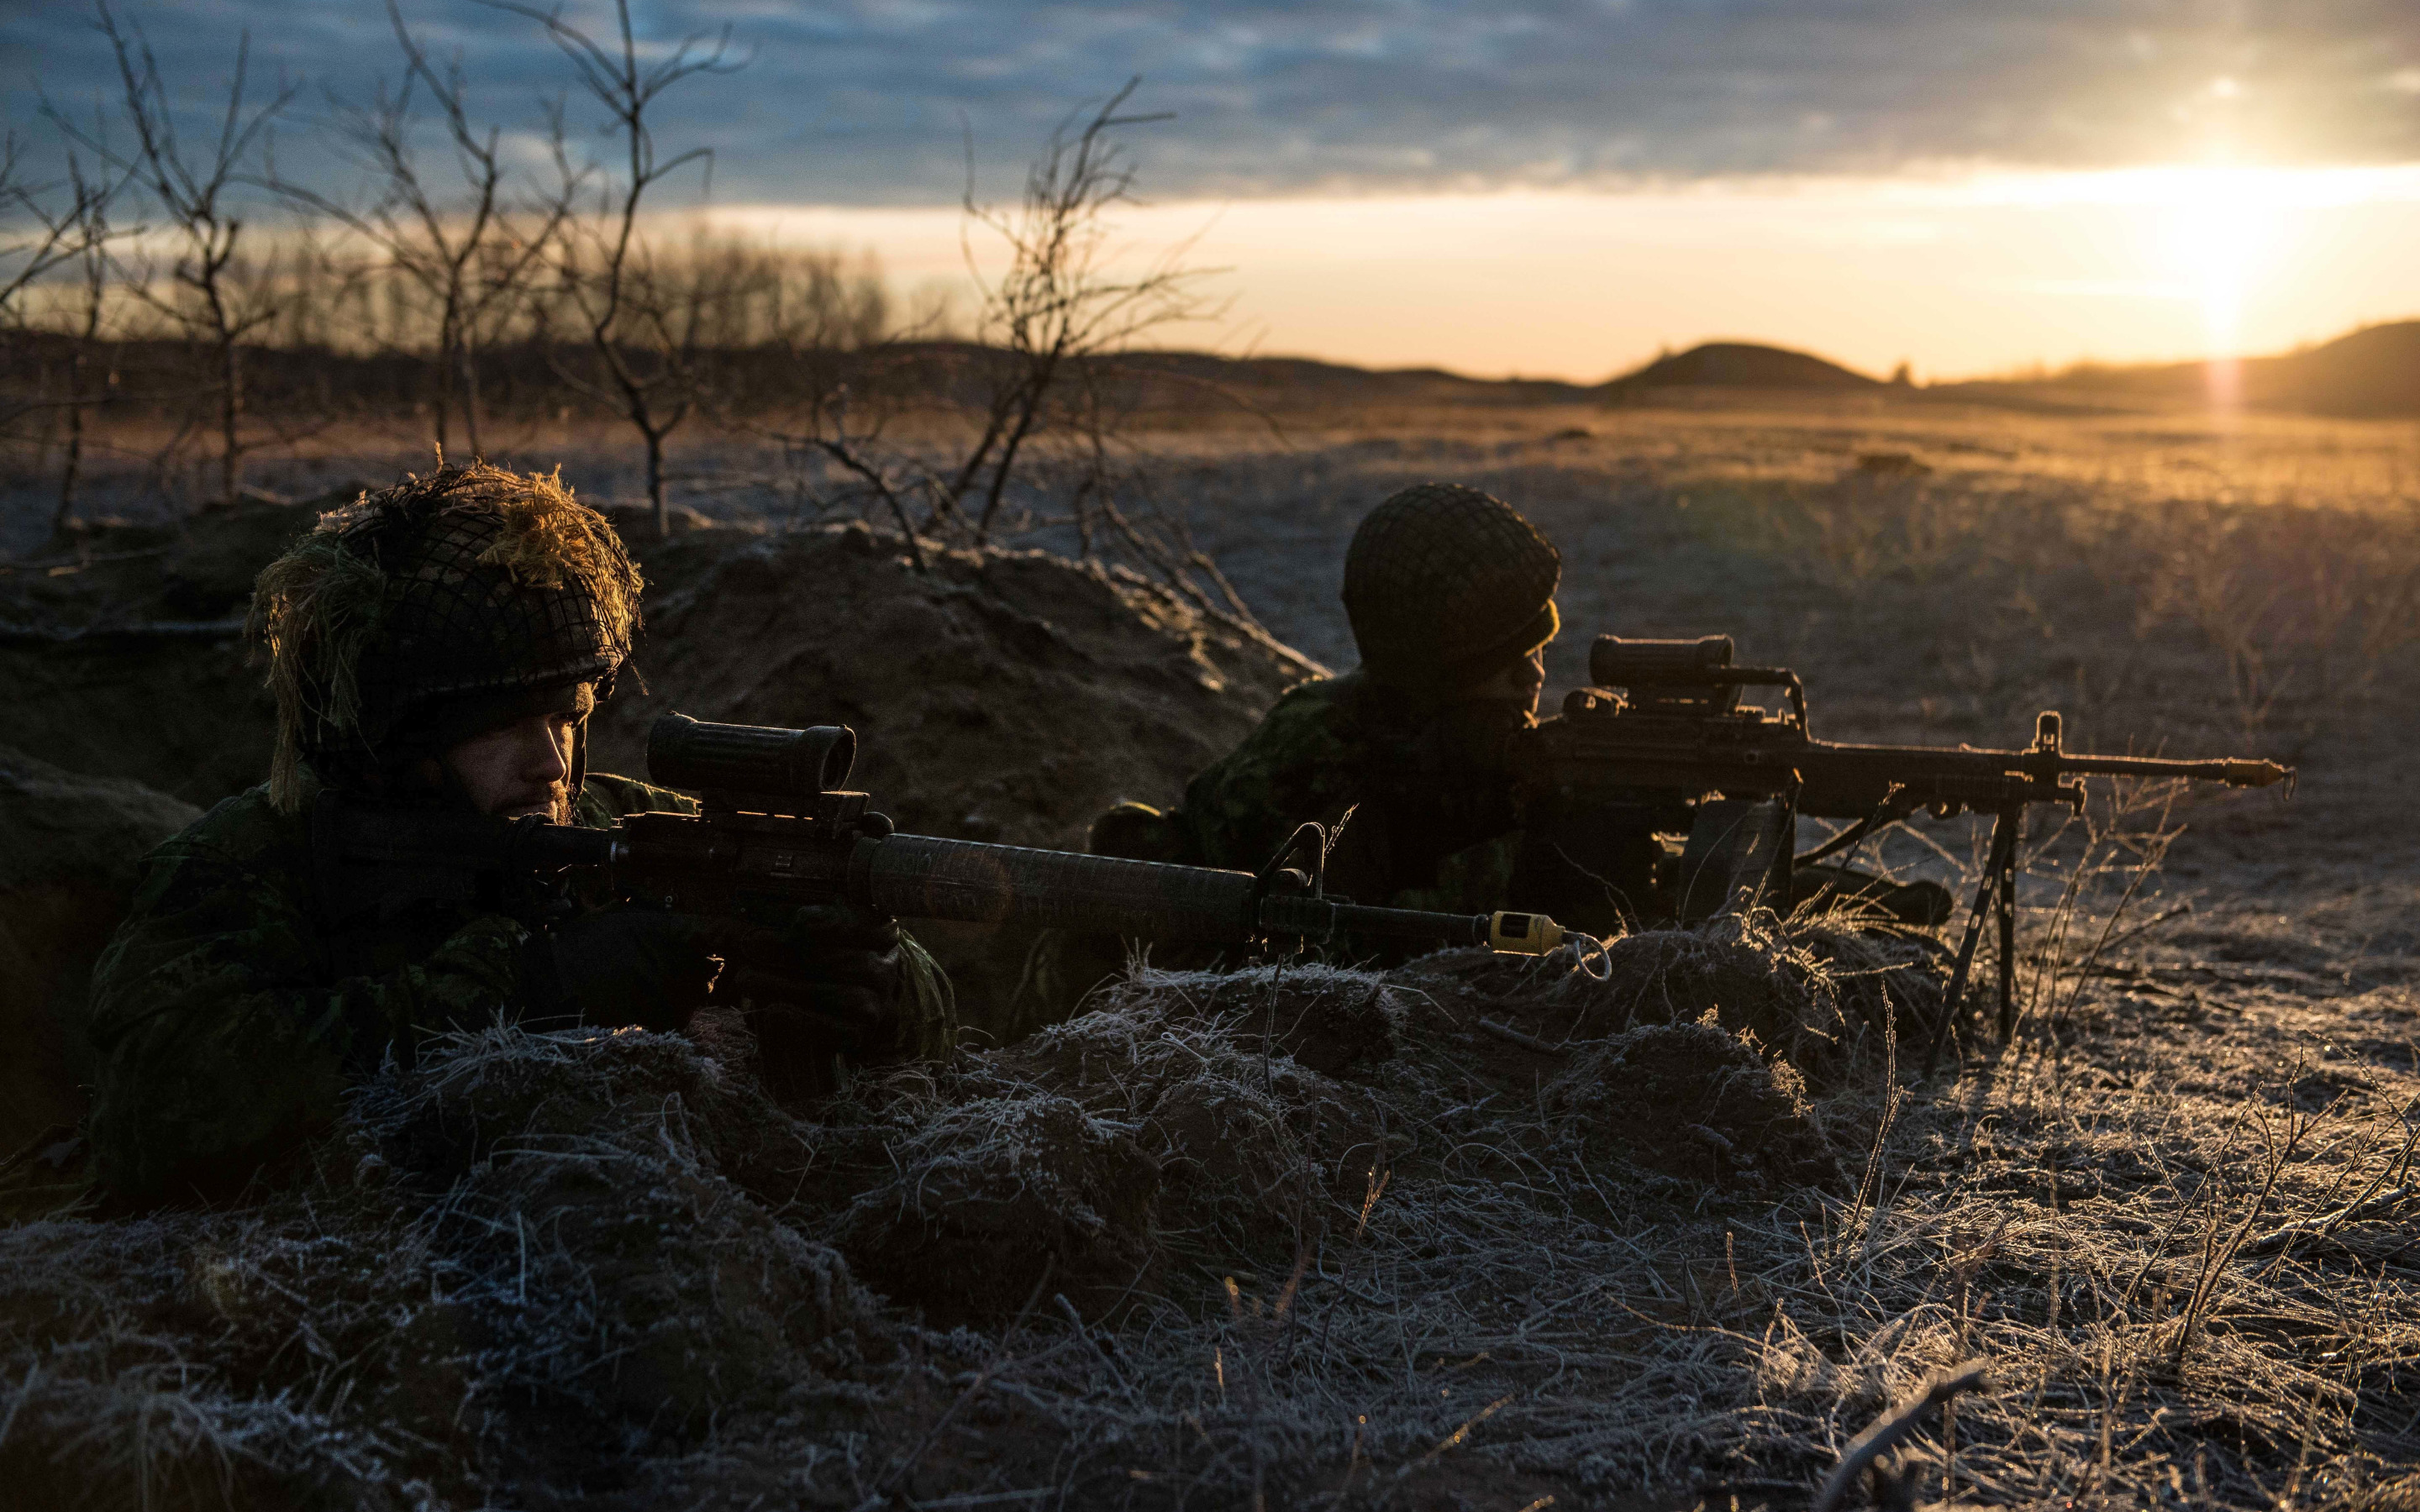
pixel 1451 594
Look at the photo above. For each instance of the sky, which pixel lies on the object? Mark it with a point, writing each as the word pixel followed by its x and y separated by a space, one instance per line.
pixel 1970 186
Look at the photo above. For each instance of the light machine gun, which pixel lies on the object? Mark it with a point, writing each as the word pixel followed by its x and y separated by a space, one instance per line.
pixel 779 829
pixel 1676 750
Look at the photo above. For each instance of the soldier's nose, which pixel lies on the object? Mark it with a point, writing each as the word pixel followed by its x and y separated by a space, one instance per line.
pixel 548 762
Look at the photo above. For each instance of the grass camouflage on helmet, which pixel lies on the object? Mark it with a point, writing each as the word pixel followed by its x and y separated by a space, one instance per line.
pixel 464 583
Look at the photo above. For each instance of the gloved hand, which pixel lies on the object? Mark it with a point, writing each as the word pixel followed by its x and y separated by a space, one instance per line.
pixel 834 969
pixel 630 963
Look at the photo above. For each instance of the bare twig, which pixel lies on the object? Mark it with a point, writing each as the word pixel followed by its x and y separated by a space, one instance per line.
pixel 1889 1430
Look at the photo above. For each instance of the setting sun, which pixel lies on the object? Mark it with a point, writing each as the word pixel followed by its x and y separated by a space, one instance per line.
pixel 2220 226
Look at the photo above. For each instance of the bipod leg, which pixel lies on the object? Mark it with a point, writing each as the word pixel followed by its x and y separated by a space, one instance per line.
pixel 1955 998
pixel 2011 821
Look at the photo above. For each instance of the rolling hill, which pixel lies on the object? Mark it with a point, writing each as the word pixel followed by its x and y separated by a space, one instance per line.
pixel 1738 364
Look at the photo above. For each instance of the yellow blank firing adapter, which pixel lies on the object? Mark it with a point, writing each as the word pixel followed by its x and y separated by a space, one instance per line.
pixel 1523 934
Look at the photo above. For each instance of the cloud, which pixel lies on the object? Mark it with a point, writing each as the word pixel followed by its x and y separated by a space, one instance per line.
pixel 870 102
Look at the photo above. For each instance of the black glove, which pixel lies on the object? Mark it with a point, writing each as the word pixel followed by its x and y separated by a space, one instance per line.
pixel 630 963
pixel 835 968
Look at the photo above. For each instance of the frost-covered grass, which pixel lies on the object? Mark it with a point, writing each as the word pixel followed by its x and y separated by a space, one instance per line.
pixel 1295 1236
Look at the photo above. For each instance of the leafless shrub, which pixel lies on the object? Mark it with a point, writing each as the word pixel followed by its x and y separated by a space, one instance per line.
pixel 469 254
pixel 644 341
pixel 94 273
pixel 216 296
pixel 1042 393
pixel 70 227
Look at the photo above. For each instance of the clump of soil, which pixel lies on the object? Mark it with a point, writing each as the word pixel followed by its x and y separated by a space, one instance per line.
pixel 993 1197
pixel 1812 994
pixel 67 867
pixel 1690 1100
pixel 606 1169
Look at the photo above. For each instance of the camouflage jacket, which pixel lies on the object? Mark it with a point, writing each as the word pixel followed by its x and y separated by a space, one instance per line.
pixel 1433 824
pixel 229 1014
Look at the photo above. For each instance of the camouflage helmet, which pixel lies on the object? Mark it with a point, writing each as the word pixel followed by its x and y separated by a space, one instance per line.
pixel 430 612
pixel 1446 585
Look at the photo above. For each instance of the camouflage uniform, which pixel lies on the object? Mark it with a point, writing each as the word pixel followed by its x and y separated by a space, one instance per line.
pixel 1432 825
pixel 230 1013
pixel 1445 587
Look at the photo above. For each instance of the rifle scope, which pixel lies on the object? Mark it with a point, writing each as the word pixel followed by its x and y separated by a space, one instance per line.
pixel 1615 661
pixel 709 758
pixel 1692 678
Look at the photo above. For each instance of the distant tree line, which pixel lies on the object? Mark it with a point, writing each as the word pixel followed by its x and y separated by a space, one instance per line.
pixel 182 284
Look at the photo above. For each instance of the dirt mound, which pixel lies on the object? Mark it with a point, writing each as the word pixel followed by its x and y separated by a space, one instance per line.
pixel 195 569
pixel 1209 1121
pixel 66 869
pixel 531 1270
pixel 124 657
pixel 1003 696
pixel 524 1269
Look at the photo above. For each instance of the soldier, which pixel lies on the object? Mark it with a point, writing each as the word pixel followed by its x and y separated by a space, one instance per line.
pixel 440 645
pixel 1451 595
pixel 1452 598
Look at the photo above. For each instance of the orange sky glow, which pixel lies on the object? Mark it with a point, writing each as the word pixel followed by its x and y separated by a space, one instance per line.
pixel 1960 274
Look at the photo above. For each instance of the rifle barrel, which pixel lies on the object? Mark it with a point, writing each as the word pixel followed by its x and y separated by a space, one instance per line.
pixel 1928 761
pixel 2235 771
pixel 917 877
pixel 914 876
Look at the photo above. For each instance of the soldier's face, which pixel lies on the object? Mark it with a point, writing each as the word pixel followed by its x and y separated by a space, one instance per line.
pixel 524 767
pixel 1518 684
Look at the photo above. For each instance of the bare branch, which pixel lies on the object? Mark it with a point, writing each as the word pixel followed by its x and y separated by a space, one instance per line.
pixel 213 300
pixel 649 367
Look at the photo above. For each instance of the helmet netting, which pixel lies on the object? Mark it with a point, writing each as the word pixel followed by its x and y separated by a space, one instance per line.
pixel 1443 582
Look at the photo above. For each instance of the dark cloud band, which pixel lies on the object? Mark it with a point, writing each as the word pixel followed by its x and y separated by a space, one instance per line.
pixel 862 102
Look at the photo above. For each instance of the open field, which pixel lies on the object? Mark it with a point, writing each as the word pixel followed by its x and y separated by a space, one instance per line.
pixel 1439 1267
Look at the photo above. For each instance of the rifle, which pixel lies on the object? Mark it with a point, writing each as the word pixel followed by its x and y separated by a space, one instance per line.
pixel 779 829
pixel 1675 751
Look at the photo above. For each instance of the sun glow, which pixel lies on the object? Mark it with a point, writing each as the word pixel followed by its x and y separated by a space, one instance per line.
pixel 2220 232
pixel 1963 272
